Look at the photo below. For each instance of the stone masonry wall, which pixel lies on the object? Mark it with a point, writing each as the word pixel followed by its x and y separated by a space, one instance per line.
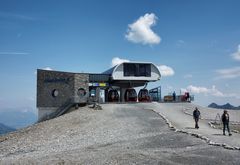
pixel 81 82
pixel 47 81
pixel 66 84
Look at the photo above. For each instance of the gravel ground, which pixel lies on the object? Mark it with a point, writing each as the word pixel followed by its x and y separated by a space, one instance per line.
pixel 118 134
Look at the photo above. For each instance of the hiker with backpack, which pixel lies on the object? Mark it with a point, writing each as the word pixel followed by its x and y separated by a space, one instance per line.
pixel 225 121
pixel 196 117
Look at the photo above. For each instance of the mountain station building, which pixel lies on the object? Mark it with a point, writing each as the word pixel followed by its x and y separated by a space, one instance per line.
pixel 57 90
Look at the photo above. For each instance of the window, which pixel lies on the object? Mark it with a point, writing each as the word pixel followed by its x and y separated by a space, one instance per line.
pixel 129 69
pixel 55 93
pixel 143 70
pixel 81 92
pixel 92 93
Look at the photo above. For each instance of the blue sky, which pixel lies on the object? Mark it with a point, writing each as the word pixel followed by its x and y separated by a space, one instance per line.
pixel 194 43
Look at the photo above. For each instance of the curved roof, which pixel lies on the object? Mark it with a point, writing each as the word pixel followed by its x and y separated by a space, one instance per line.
pixel 131 71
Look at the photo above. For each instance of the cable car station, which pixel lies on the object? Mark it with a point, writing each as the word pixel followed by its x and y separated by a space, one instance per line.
pixel 58 91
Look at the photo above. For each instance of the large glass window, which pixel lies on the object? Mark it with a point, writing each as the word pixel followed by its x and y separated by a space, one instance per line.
pixel 145 70
pixel 130 69
pixel 137 70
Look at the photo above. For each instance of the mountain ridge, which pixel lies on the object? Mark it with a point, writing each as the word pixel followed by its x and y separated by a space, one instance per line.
pixel 5 129
pixel 225 106
pixel 16 118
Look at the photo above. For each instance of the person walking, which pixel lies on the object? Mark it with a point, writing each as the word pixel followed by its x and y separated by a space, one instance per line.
pixel 225 121
pixel 196 116
pixel 174 96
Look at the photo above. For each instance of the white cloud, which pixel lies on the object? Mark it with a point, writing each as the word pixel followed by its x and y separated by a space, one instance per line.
pixel 47 68
pixel 208 91
pixel 117 60
pixel 183 90
pixel 195 89
pixel 215 92
pixel 236 55
pixel 165 70
pixel 13 53
pixel 15 16
pixel 140 31
pixel 169 87
pixel 180 43
pixel 229 73
pixel 187 76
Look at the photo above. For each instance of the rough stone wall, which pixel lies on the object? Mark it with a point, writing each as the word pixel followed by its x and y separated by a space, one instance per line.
pixel 81 80
pixel 47 81
pixel 67 85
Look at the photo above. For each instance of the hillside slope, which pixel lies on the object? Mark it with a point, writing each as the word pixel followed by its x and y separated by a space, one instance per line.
pixel 118 134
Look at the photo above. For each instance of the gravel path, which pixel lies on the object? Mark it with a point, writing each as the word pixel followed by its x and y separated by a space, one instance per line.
pixel 213 114
pixel 118 134
pixel 176 114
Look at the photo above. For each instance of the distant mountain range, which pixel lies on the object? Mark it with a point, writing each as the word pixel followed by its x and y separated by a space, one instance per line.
pixel 5 129
pixel 16 118
pixel 225 106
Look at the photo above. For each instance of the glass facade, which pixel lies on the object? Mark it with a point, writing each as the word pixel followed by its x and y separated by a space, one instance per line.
pixel 136 70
